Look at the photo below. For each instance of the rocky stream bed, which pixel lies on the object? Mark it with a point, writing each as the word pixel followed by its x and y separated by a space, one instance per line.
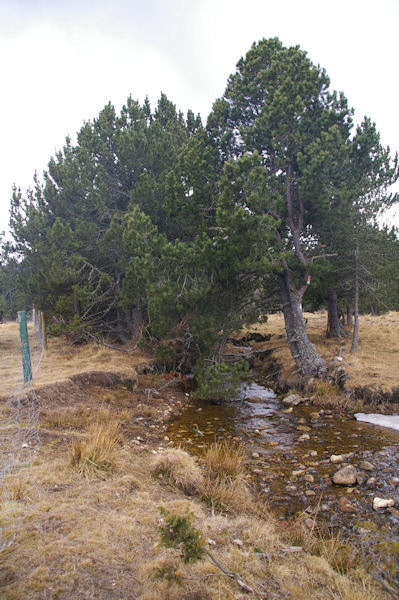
pixel 303 460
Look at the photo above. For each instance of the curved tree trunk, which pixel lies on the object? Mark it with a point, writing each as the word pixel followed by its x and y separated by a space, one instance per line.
pixel 335 328
pixel 303 351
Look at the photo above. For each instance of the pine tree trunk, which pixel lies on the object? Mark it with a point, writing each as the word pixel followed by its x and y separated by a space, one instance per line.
pixel 136 319
pixel 349 315
pixel 129 328
pixel 334 326
pixel 303 352
pixel 355 337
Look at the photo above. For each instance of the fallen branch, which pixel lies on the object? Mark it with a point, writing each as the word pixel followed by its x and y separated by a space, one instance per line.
pixel 167 384
pixel 288 550
pixel 102 343
pixel 388 588
pixel 230 574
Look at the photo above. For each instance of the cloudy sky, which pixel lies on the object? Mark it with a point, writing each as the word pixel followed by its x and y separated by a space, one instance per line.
pixel 62 60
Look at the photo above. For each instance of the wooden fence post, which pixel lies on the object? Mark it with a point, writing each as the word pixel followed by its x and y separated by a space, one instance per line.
pixel 44 329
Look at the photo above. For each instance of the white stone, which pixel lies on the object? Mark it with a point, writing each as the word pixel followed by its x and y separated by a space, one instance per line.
pixel 336 459
pixel 293 399
pixel 345 476
pixel 383 503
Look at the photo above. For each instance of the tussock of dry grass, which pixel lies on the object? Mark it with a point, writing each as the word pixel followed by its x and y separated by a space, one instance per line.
pixel 313 577
pixel 179 469
pixel 225 458
pixel 226 493
pixel 326 394
pixel 223 485
pixel 97 451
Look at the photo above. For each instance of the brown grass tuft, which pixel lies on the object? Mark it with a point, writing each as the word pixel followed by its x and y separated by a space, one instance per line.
pixel 179 468
pixel 226 493
pixel 97 451
pixel 223 485
pixel 328 395
pixel 225 459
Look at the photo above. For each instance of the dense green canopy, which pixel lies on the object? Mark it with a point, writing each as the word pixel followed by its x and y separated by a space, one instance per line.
pixel 152 226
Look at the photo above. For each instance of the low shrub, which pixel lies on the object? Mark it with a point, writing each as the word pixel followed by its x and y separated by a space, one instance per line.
pixel 178 530
pixel 219 381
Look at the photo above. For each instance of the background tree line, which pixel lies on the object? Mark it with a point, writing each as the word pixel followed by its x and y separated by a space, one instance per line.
pixel 153 226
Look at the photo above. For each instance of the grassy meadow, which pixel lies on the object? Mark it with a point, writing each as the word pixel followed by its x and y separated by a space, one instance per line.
pixel 104 494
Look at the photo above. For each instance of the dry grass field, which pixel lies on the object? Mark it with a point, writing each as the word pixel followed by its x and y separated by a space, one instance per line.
pixel 61 362
pixel 92 496
pixel 92 527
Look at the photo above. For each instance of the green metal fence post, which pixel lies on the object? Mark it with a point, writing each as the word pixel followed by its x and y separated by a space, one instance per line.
pixel 25 353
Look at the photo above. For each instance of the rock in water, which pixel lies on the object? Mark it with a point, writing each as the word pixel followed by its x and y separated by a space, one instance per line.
pixel 383 503
pixel 293 399
pixel 345 476
pixel 336 459
pixel 346 506
pixel 371 483
pixel 366 466
pixel 304 428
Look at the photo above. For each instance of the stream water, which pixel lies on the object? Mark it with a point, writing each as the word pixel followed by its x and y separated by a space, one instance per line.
pixel 289 454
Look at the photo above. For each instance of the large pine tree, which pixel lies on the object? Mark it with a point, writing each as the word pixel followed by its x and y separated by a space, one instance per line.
pixel 277 111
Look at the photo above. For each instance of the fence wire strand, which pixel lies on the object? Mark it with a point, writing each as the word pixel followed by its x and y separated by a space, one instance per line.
pixel 19 440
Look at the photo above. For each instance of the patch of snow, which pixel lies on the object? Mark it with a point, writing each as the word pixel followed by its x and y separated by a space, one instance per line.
pixel 391 421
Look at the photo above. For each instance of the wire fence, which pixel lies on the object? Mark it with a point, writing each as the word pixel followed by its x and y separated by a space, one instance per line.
pixel 19 428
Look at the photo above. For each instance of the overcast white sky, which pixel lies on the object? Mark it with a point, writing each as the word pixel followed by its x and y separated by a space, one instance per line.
pixel 62 60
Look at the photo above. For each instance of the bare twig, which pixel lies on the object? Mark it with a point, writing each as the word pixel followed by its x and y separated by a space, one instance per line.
pixel 230 574
pixel 167 384
pixel 102 343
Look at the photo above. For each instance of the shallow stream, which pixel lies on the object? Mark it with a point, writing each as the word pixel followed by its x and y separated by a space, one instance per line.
pixel 289 454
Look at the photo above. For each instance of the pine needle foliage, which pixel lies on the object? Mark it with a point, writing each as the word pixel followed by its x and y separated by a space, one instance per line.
pixel 179 530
